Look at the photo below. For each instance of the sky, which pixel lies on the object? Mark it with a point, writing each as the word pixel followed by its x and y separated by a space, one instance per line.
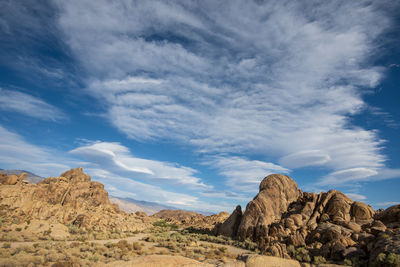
pixel 192 103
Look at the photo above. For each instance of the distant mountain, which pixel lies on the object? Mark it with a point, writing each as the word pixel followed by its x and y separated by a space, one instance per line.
pixel 33 178
pixel 132 205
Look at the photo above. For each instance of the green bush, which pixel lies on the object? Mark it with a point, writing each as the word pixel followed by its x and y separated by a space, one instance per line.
pixel 301 254
pixel 319 260
pixel 390 260
pixel 164 224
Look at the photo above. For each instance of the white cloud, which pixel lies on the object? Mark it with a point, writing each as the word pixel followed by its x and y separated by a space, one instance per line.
pixel 362 174
pixel 356 197
pixel 125 187
pixel 387 204
pixel 305 158
pixel 273 79
pixel 241 174
pixel 29 105
pixel 17 153
pixel 118 159
pixel 224 195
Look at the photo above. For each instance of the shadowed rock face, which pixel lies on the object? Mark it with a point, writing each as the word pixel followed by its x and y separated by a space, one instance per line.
pixel 327 224
pixel 231 225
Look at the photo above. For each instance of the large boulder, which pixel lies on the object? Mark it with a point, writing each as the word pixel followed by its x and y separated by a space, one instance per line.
pixel 361 212
pixel 276 193
pixel 76 175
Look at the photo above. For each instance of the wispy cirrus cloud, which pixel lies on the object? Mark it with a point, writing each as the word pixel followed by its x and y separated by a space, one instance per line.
pixel 241 174
pixel 356 175
pixel 356 196
pixel 126 187
pixel 118 159
pixel 279 80
pixel 15 101
pixel 386 204
pixel 17 153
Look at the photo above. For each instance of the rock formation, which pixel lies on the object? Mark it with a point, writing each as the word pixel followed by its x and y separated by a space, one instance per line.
pixel 191 219
pixel 281 218
pixel 71 199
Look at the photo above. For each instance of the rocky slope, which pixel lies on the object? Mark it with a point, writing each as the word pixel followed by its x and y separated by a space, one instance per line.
pixel 71 199
pixel 191 219
pixel 282 219
pixel 31 177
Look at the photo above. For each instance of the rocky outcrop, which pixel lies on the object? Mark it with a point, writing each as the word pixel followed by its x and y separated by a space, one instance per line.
pixel 276 193
pixel 13 179
pixel 191 219
pixel 390 216
pixel 282 219
pixel 71 199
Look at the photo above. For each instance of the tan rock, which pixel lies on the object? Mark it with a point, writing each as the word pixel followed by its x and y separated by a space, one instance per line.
pixel 361 211
pixel 12 179
pixel 276 193
pixel 70 199
pixel 59 232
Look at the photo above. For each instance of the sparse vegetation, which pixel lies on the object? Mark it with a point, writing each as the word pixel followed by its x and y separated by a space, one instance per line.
pixel 302 254
pixel 161 226
pixel 390 260
pixel 73 229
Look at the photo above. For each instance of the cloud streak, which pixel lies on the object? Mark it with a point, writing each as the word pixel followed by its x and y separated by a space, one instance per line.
pixel 17 153
pixel 276 80
pixel 118 159
pixel 15 101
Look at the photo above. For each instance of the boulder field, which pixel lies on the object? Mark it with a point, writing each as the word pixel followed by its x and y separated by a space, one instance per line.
pixel 281 218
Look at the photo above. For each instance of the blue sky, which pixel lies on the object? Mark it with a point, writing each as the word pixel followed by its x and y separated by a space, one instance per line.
pixel 192 103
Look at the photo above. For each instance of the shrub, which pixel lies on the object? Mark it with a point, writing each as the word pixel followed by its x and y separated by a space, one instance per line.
pixel 393 259
pixel 390 259
pixel 301 254
pixel 137 246
pixel 319 260
pixel 164 224
pixel 222 249
pixel 6 245
pixel 348 262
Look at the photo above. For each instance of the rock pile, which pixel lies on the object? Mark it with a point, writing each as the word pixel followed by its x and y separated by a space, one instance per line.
pixel 70 199
pixel 282 218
